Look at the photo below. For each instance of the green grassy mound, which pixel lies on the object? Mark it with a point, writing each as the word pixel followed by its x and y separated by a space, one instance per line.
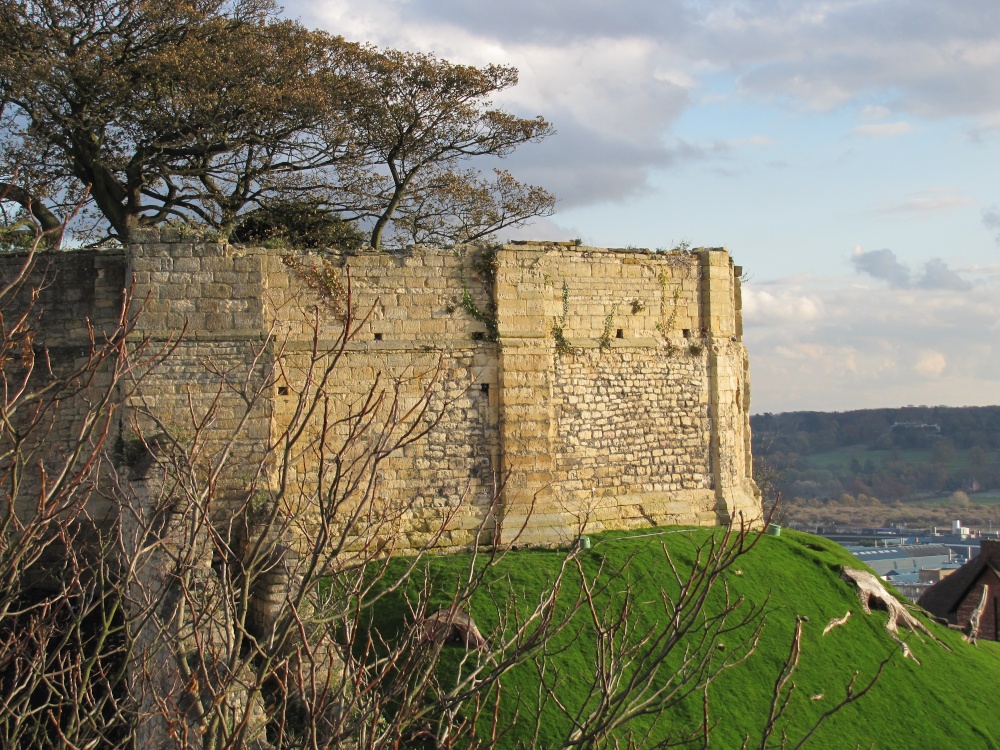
pixel 944 701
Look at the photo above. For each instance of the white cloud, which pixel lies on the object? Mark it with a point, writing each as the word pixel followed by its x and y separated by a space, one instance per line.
pixel 610 86
pixel 928 202
pixel 615 78
pixel 930 364
pixel 777 306
pixel 932 58
pixel 873 347
pixel 543 229
pixel 882 129
pixel 875 112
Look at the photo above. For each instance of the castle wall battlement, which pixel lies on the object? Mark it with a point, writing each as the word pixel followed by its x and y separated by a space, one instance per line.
pixel 599 388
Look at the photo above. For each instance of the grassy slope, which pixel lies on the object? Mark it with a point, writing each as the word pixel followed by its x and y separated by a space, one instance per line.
pixel 944 702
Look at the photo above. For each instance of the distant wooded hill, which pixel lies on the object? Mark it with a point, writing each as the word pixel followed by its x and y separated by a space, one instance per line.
pixel 807 432
pixel 858 458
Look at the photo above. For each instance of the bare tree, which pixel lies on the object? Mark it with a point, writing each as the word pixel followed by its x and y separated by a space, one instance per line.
pixel 164 588
pixel 61 652
pixel 767 477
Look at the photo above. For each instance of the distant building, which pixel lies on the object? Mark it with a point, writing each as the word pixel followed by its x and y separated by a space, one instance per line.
pixel 933 575
pixel 956 596
pixel 904 558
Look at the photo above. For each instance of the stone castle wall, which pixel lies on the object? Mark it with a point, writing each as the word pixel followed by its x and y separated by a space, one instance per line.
pixel 628 427
pixel 597 388
pixel 58 311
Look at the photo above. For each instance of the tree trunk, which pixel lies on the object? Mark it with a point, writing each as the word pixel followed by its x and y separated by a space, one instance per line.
pixel 976 616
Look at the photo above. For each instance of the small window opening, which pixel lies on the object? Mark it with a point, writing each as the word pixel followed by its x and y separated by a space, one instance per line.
pixel 478 335
pixel 378 336
pixel 282 390
pixel 620 334
pixel 687 333
pixel 484 387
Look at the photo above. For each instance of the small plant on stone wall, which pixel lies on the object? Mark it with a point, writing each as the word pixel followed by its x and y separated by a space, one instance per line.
pixel 637 306
pixel 324 279
pixel 681 248
pixel 487 319
pixel 562 345
pixel 695 348
pixel 559 324
pixel 668 345
pixel 664 279
pixel 484 266
pixel 182 228
pixel 672 320
pixel 604 342
pixel 667 322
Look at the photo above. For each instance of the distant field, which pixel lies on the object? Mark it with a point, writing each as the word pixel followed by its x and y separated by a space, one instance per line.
pixel 840 458
pixel 985 498
pixel 944 501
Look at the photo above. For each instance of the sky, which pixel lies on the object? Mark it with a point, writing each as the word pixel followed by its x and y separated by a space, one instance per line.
pixel 845 151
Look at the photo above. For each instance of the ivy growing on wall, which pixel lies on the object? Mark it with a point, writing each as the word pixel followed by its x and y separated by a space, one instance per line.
pixel 604 342
pixel 484 266
pixel 559 324
pixel 324 280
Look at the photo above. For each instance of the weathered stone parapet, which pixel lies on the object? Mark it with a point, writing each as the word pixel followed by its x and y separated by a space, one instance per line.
pixel 729 386
pixel 204 289
pixel 600 388
pixel 204 301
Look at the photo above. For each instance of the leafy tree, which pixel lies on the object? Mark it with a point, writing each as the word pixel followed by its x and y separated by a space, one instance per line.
pixel 768 476
pixel 453 207
pixel 977 458
pixel 420 116
pixel 162 110
pixel 202 111
pixel 303 224
pixel 943 451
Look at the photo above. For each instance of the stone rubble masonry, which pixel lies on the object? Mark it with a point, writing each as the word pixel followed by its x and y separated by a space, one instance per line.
pixel 76 296
pixel 637 415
